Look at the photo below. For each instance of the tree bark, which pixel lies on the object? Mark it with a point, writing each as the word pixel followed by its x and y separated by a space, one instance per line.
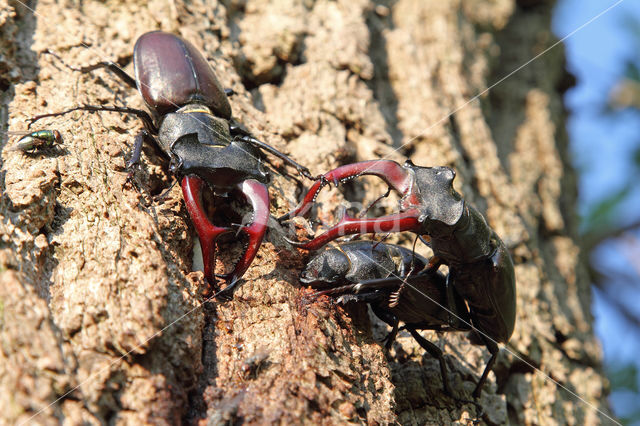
pixel 101 314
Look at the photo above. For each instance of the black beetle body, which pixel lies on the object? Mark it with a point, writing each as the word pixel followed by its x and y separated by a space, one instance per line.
pixel 358 261
pixel 377 273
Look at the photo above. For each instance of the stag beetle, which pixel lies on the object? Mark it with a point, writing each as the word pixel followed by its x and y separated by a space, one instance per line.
pixel 39 139
pixel 357 261
pixel 382 275
pixel 480 267
pixel 190 120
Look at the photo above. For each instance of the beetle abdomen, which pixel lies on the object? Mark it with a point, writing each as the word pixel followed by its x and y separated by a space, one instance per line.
pixel 172 73
pixel 489 287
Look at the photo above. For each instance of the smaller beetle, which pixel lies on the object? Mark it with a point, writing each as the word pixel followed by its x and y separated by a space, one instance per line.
pixel 190 121
pixel 377 273
pixel 358 261
pixel 480 267
pixel 40 139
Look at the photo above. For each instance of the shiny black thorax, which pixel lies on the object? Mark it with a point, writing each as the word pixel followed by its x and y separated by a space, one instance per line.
pixel 481 269
pixel 201 144
pixel 458 232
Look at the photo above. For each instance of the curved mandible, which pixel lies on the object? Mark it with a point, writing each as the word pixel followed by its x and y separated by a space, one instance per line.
pixel 395 175
pixel 207 231
pixel 398 177
pixel 258 196
pixel 399 222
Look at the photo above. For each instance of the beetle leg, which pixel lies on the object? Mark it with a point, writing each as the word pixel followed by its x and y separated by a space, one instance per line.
pixel 271 150
pixel 207 232
pixel 243 134
pixel 494 350
pixel 336 290
pixel 435 352
pixel 136 152
pixel 110 65
pixel 142 115
pixel 394 298
pixel 370 297
pixel 405 221
pixel 285 175
pixel 144 135
pixel 363 287
pixel 389 318
pixel 396 176
pixel 258 195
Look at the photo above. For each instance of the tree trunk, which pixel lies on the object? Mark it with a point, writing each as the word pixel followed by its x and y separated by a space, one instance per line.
pixel 101 316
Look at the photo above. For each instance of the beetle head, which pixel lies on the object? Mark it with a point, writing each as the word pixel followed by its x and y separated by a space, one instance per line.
pixel 329 267
pixel 222 167
pixel 440 205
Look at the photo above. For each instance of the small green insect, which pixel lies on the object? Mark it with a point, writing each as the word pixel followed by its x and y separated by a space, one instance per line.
pixel 38 140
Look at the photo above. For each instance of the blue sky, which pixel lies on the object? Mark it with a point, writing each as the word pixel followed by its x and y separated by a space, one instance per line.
pixel 602 146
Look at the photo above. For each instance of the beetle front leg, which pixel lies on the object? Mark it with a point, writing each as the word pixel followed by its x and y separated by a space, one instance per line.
pixel 237 130
pixel 271 150
pixel 207 232
pixel 435 352
pixel 133 163
pixel 258 196
pixel 136 152
pixel 134 160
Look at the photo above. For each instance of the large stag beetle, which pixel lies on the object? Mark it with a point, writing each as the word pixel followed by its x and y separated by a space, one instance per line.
pixel 480 267
pixel 190 120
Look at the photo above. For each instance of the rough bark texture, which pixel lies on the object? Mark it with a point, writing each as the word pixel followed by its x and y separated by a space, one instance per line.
pixel 98 301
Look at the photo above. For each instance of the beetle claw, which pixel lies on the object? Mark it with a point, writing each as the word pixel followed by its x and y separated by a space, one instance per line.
pixel 300 244
pixel 396 176
pixel 207 232
pixel 226 294
pixel 258 196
